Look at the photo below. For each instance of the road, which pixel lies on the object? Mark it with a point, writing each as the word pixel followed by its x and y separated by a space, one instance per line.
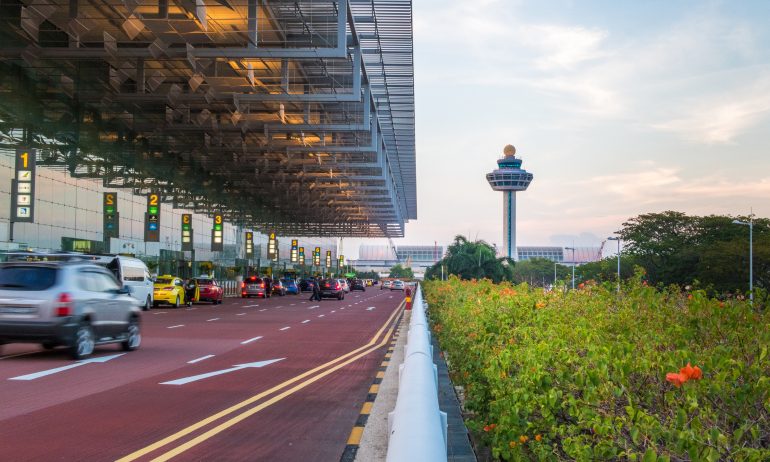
pixel 281 379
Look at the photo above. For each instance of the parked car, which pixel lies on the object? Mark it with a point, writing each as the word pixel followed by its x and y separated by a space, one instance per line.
pixel 306 285
pixel 332 288
pixel 398 285
pixel 209 290
pixel 358 284
pixel 130 272
pixel 169 290
pixel 345 285
pixel 254 286
pixel 385 285
pixel 278 287
pixel 76 304
pixel 291 286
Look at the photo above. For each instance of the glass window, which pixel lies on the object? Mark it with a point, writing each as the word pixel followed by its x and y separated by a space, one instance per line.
pixel 27 277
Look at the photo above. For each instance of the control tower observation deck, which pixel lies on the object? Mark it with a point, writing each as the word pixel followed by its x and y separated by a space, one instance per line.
pixel 509 178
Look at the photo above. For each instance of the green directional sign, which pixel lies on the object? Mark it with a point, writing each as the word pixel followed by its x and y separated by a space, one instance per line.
pixel 217 241
pixel 111 220
pixel 249 244
pixel 187 232
pixel 152 218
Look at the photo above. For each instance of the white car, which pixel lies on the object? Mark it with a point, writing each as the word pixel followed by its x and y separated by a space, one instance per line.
pixel 385 285
pixel 398 285
pixel 131 273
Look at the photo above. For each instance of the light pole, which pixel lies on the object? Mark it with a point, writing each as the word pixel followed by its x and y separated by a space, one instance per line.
pixel 750 224
pixel 617 239
pixel 573 265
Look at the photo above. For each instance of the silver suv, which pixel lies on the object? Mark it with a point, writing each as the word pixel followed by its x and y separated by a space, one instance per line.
pixel 75 304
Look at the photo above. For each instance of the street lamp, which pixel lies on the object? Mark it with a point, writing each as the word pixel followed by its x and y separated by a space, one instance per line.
pixel 573 265
pixel 617 239
pixel 750 224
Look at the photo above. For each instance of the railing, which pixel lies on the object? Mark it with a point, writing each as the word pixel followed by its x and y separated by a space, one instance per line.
pixel 231 288
pixel 418 428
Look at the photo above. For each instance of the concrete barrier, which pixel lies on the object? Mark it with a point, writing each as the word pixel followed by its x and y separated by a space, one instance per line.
pixel 418 428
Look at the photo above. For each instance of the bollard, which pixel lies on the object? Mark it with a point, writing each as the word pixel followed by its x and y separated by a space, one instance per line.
pixel 408 298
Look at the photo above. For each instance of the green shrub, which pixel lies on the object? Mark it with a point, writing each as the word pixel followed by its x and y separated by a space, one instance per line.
pixel 582 375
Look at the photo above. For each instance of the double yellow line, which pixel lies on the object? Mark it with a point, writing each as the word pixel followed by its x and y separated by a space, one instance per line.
pixel 346 359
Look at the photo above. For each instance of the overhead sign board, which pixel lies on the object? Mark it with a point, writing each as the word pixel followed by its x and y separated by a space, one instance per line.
pixel 217 233
pixel 23 186
pixel 187 232
pixel 152 218
pixel 249 244
pixel 317 256
pixel 328 258
pixel 301 255
pixel 111 217
pixel 272 247
pixel 294 250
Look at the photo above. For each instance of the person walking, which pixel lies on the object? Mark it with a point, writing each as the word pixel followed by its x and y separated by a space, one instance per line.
pixel 316 291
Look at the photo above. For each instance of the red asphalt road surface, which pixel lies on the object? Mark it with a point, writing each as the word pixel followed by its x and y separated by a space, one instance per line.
pixel 107 411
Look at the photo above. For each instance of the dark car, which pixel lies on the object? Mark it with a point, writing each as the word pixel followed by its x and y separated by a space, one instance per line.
pixel 278 287
pixel 291 286
pixel 254 286
pixel 358 284
pixel 332 288
pixel 209 290
pixel 306 285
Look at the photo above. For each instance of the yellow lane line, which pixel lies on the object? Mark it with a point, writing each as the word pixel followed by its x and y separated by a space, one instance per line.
pixel 246 414
pixel 198 425
pixel 355 435
pixel 367 408
pixel 374 388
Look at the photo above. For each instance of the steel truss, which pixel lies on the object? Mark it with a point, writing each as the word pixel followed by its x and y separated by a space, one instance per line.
pixel 289 116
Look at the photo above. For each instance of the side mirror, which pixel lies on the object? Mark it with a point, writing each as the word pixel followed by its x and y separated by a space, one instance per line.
pixel 125 290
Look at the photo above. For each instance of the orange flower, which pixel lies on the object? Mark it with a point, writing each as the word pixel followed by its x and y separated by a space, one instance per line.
pixel 697 374
pixel 721 304
pixel 689 296
pixel 540 304
pixel 512 444
pixel 581 285
pixel 523 439
pixel 492 426
pixel 687 371
pixel 538 437
pixel 676 379
pixel 486 428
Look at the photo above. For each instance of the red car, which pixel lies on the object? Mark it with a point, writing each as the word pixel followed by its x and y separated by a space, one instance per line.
pixel 209 291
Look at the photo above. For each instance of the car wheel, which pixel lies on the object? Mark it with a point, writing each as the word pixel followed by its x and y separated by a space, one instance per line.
pixel 133 336
pixel 83 345
pixel 147 305
pixel 176 305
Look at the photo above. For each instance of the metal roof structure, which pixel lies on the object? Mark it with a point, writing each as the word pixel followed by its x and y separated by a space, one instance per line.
pixel 294 117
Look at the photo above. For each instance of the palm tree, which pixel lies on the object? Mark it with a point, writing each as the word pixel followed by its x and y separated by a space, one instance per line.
pixel 472 260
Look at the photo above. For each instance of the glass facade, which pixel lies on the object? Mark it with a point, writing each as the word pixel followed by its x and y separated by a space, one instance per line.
pixel 68 216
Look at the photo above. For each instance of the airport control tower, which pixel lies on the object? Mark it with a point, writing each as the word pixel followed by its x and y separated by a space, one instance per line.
pixel 509 178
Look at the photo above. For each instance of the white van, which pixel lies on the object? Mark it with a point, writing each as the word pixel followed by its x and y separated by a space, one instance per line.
pixel 133 274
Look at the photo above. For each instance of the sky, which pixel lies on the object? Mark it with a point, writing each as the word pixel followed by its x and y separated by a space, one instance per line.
pixel 618 108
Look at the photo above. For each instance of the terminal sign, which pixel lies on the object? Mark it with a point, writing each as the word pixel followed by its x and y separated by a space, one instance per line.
pixel 302 256
pixel 341 261
pixel 111 219
pixel 328 258
pixel 187 232
pixel 294 250
pixel 272 247
pixel 317 256
pixel 23 186
pixel 217 244
pixel 249 244
pixel 152 218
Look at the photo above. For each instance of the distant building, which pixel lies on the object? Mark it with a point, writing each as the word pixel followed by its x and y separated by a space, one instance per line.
pixel 380 258
pixel 561 255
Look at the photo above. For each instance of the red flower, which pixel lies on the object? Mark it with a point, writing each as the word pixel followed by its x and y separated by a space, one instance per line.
pixel 676 379
pixel 687 371
pixel 697 374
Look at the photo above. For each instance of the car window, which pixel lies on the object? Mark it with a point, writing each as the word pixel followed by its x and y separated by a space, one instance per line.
pixel 107 282
pixel 27 277
pixel 133 273
pixel 165 281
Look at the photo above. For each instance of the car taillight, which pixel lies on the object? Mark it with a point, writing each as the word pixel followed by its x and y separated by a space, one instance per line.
pixel 337 287
pixel 168 288
pixel 243 285
pixel 64 305
pixel 262 285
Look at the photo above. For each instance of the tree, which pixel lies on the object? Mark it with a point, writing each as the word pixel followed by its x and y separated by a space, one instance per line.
pixel 472 260
pixel 401 272
pixel 539 271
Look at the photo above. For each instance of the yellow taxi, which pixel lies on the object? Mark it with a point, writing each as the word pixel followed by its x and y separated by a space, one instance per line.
pixel 169 290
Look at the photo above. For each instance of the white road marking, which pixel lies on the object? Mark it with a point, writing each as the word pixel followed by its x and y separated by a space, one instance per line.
pixel 305 321
pixel 334 311
pixel 342 308
pixel 200 359
pixel 370 308
pixel 241 314
pixel 212 319
pixel 160 312
pixel 174 327
pixel 263 309
pixel 284 328
pixel 37 375
pixel 314 307
pixel 251 340
pixel 250 306
pixel 279 306
pixel 321 315
pixel 237 367
pixel 304 302
pixel 293 304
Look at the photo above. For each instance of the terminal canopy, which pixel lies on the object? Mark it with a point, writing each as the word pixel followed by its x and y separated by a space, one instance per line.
pixel 290 116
